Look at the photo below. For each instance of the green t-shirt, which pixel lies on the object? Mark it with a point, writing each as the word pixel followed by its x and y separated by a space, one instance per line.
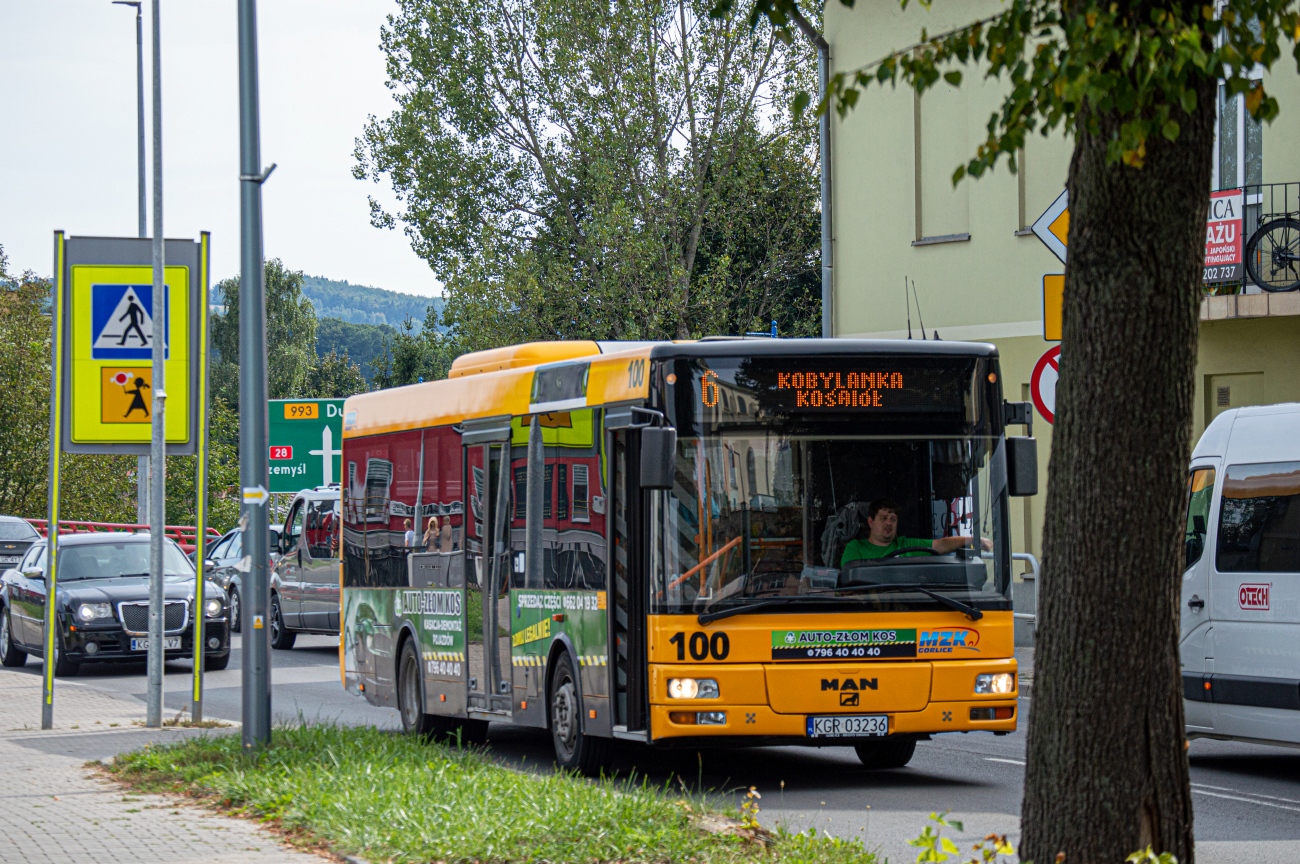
pixel 857 550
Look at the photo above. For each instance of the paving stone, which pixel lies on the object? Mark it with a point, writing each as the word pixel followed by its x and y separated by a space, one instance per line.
pixel 55 809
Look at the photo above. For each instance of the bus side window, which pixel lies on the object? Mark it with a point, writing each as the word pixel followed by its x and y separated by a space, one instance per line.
pixel 1200 492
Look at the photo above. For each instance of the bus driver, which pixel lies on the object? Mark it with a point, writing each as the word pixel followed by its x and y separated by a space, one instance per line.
pixel 882 537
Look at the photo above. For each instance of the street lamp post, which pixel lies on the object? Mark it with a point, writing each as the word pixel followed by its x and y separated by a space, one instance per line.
pixel 253 477
pixel 142 462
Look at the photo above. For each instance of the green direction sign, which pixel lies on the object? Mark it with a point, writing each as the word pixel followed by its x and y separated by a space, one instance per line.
pixel 306 443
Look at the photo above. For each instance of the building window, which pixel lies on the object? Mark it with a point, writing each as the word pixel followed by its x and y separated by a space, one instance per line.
pixel 581 495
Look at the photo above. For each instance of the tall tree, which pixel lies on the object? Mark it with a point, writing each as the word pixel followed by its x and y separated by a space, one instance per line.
pixel 24 391
pixel 586 167
pixel 1134 83
pixel 290 335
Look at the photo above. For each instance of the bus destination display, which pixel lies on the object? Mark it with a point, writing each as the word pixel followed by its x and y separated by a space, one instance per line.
pixel 847 386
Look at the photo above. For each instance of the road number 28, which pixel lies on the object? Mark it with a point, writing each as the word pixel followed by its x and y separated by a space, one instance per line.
pixel 702 646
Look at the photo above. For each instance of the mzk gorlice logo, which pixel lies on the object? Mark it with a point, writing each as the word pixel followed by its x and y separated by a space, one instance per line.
pixel 948 641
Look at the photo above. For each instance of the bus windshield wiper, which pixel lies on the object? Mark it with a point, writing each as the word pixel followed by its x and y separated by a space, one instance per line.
pixel 969 611
pixel 719 614
pixel 966 609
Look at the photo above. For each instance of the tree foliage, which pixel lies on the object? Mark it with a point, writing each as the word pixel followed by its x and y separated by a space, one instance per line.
pixel 293 366
pixel 1069 65
pixel 600 169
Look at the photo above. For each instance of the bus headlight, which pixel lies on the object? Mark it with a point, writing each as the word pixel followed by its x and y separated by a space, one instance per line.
pixel 999 682
pixel 692 688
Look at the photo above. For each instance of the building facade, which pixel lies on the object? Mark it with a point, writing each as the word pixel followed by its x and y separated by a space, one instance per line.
pixel 978 268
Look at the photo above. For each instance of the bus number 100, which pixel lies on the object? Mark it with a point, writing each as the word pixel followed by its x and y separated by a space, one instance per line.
pixel 702 646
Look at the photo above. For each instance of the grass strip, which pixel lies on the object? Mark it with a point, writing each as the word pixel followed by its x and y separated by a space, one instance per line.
pixel 387 797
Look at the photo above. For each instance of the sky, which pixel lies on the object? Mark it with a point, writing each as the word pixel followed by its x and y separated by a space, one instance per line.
pixel 68 132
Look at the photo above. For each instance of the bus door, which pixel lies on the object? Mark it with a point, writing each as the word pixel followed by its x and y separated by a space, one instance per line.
pixel 628 582
pixel 487 566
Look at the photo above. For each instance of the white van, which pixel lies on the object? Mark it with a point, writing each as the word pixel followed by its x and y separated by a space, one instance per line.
pixel 1240 635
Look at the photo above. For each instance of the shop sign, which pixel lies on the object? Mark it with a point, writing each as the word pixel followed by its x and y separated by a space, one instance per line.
pixel 1223 241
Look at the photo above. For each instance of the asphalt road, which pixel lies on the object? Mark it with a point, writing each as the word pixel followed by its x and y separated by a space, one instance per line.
pixel 1247 797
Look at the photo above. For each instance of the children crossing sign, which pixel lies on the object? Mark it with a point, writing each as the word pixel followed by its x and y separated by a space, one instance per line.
pixel 306 443
pixel 109 328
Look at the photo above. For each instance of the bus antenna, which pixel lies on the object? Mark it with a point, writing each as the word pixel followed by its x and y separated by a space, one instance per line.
pixel 918 307
pixel 908 300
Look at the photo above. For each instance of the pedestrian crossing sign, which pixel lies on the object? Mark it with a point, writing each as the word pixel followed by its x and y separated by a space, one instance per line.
pixel 122 322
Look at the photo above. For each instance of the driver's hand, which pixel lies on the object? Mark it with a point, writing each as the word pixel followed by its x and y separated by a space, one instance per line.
pixel 987 544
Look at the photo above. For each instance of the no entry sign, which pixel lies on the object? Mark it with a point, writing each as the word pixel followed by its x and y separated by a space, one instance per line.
pixel 1042 384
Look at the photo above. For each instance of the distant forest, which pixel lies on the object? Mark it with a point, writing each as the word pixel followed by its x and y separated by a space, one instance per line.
pixel 361 304
pixel 361 320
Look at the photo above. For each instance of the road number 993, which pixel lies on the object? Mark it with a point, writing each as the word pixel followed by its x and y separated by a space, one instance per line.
pixel 702 646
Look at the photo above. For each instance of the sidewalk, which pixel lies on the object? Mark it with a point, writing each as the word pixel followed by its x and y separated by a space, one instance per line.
pixel 54 809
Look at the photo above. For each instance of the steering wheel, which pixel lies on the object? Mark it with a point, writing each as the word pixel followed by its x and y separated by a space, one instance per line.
pixel 907 550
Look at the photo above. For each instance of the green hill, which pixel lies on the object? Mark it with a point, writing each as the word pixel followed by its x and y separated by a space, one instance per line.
pixel 362 342
pixel 362 304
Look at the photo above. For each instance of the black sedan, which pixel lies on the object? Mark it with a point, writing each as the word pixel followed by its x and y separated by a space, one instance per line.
pixel 16 537
pixel 103 604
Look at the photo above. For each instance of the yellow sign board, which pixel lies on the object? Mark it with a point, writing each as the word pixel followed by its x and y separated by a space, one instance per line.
pixel 110 349
pixel 1053 227
pixel 301 410
pixel 1053 300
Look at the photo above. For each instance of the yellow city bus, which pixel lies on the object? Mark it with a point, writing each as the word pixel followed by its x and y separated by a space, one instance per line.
pixel 687 544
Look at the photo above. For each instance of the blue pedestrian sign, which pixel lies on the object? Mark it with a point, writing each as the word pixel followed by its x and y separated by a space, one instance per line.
pixel 121 322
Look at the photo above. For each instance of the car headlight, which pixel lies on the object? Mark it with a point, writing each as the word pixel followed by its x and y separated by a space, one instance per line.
pixel 90 611
pixel 692 688
pixel 213 606
pixel 1000 682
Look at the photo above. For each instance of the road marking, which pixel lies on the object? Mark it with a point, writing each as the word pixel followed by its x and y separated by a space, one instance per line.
pixel 1006 761
pixel 1245 800
pixel 1251 794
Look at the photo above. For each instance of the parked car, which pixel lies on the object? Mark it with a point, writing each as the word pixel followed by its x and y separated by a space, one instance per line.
pixel 222 565
pixel 16 536
pixel 103 604
pixel 305 580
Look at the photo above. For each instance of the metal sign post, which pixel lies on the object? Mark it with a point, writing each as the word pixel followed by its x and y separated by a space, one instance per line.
pixel 158 436
pixel 252 395
pixel 56 410
pixel 201 486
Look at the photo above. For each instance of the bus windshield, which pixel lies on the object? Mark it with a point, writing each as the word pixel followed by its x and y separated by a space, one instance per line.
pixel 765 513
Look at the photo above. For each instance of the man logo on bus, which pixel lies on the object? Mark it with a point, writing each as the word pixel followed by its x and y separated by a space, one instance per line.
pixel 946 641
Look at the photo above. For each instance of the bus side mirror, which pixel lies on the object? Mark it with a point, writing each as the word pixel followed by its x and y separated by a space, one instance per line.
pixel 658 457
pixel 1022 466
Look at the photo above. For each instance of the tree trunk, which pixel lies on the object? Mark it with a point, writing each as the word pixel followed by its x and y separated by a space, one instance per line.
pixel 1107 765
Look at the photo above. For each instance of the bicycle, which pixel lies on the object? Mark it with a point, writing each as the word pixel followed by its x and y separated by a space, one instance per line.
pixel 1273 255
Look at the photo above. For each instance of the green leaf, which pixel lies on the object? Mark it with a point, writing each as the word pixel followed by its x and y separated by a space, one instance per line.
pixel 1171 129
pixel 953 77
pixel 1188 101
pixel 801 102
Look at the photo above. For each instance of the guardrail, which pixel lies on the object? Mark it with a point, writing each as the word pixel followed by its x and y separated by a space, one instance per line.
pixel 186 536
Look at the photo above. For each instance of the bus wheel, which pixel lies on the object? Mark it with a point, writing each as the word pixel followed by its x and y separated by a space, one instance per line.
pixel 574 751
pixel 886 754
pixel 410 694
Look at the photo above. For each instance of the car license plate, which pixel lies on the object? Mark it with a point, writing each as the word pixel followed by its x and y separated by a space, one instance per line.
pixel 849 726
pixel 170 643
pixel 9 559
